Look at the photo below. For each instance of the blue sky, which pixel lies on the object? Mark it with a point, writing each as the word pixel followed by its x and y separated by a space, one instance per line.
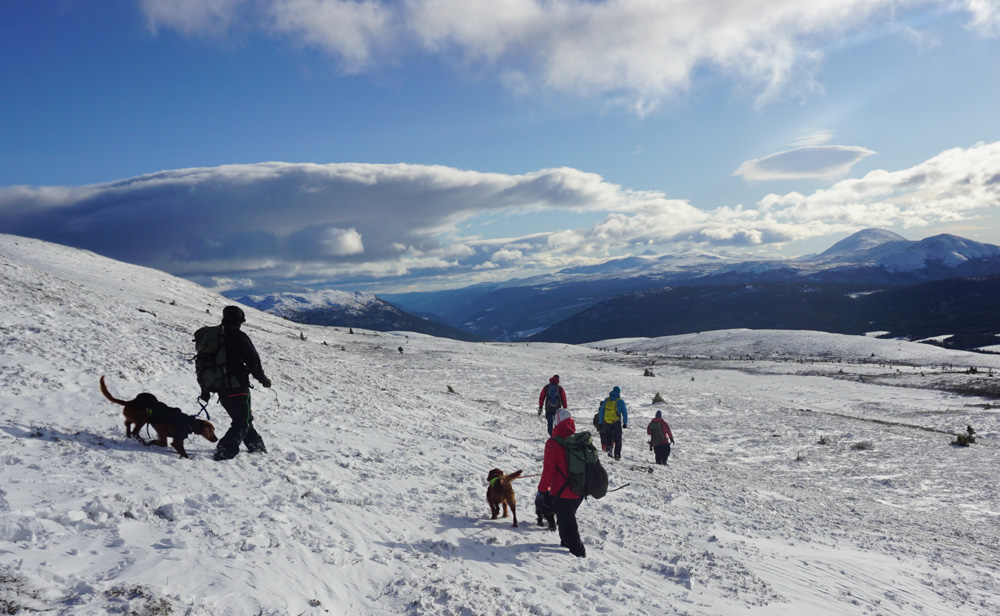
pixel 422 144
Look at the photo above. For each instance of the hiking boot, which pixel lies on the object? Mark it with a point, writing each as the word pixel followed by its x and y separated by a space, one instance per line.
pixel 256 446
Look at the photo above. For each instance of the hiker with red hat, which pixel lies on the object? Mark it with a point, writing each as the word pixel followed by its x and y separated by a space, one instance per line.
pixel 552 398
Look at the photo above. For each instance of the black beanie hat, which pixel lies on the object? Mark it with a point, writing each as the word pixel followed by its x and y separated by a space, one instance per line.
pixel 233 316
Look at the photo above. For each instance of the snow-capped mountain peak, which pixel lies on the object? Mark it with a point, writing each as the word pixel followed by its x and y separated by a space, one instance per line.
pixel 858 244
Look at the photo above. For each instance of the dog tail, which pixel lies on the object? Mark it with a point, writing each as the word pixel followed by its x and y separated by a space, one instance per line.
pixel 107 394
pixel 514 475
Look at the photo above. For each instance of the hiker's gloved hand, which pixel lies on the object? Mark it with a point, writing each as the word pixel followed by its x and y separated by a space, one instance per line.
pixel 205 395
pixel 624 426
pixel 266 382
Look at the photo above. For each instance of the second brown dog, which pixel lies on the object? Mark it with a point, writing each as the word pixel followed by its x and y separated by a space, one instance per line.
pixel 166 420
pixel 501 493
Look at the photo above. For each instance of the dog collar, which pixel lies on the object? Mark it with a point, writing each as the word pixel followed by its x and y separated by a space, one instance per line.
pixel 494 480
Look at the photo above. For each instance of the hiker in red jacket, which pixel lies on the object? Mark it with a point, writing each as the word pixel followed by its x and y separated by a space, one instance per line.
pixel 554 484
pixel 660 438
pixel 552 398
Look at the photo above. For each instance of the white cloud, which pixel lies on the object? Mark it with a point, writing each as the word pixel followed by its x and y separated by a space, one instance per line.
pixel 638 51
pixel 345 223
pixel 354 31
pixel 814 161
pixel 985 16
pixel 816 137
pixel 191 16
pixel 506 254
pixel 342 242
pixel 950 186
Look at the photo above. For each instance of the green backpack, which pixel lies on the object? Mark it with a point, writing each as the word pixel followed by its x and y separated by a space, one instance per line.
pixel 586 475
pixel 210 358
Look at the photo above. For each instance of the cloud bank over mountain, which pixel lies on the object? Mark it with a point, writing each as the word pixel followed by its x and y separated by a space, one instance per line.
pixel 353 223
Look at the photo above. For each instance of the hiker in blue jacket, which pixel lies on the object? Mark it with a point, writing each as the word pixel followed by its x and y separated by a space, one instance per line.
pixel 612 417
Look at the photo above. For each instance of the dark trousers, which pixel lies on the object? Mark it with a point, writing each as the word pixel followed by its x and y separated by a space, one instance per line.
pixel 550 416
pixel 611 439
pixel 662 452
pixel 241 430
pixel 569 532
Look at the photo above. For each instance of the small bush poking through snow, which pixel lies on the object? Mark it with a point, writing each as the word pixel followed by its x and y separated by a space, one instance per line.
pixel 658 399
pixel 863 446
pixel 964 440
pixel 823 440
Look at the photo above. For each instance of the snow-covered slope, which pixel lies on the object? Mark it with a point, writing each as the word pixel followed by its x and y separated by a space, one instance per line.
pixel 371 498
pixel 801 345
pixel 284 304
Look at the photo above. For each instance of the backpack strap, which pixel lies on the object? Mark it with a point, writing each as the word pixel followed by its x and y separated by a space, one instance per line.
pixel 562 443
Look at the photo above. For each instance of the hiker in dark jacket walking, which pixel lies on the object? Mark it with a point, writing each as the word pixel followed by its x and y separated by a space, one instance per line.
pixel 612 417
pixel 241 362
pixel 660 438
pixel 552 398
pixel 554 484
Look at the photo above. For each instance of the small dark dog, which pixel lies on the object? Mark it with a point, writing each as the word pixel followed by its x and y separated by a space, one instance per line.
pixel 166 420
pixel 545 511
pixel 501 492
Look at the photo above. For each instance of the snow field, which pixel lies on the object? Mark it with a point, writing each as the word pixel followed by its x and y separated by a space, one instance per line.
pixel 371 499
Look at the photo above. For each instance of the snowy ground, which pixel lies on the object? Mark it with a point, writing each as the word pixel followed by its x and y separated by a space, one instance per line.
pixel 804 481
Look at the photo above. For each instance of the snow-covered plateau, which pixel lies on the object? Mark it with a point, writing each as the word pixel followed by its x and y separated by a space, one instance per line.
pixel 812 473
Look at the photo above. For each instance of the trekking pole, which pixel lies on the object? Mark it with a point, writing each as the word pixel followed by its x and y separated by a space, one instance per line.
pixel 620 487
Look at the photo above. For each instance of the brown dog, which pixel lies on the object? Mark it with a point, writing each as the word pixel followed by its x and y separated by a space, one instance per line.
pixel 166 420
pixel 501 492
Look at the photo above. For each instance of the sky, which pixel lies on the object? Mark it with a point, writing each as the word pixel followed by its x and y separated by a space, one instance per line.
pixel 425 144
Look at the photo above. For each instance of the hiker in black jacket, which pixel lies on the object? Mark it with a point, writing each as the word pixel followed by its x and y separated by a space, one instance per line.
pixel 241 362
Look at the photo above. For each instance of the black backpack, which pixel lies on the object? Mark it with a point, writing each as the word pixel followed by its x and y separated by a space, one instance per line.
pixel 210 358
pixel 552 399
pixel 586 475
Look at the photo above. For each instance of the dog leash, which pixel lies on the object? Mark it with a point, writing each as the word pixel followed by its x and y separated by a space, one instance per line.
pixel 204 408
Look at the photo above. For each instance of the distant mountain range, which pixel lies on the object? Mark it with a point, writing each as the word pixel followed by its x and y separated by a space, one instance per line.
pixel 349 309
pixel 872 280
pixel 869 259
pixel 958 313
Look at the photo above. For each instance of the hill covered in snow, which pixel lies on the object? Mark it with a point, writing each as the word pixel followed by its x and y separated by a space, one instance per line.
pixel 349 309
pixel 803 481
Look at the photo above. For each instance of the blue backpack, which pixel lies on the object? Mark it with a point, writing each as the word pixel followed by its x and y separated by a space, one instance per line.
pixel 552 399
